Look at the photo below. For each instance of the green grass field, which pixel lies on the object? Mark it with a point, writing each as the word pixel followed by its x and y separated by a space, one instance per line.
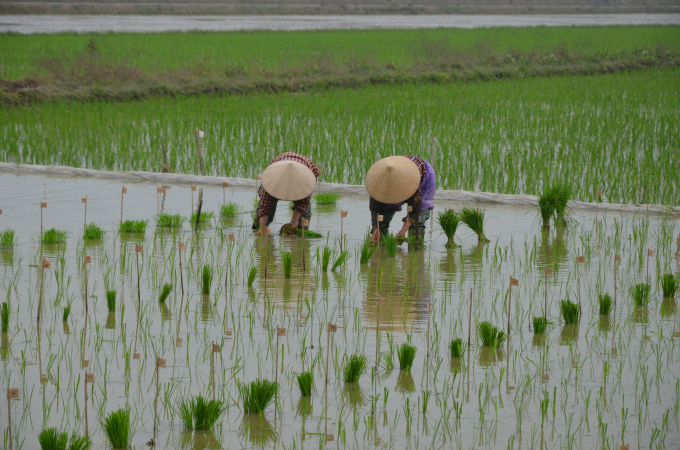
pixel 615 132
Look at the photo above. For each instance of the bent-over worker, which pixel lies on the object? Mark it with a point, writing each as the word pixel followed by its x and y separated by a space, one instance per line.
pixel 289 177
pixel 396 180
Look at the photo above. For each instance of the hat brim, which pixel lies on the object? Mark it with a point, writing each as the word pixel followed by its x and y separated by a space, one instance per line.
pixel 289 180
pixel 393 179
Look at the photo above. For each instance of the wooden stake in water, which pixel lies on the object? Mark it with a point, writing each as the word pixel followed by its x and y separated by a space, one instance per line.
pixel 45 265
pixel 280 331
pixel 305 223
pixel 138 250
pixel 160 363
pixel 225 185
pixel 230 239
pixel 215 349
pixel 89 378
pixel 470 319
pixel 513 282
pixel 548 271
pixel 159 190
pixel 84 200
pixel 11 394
pixel 199 135
pixel 180 247
pixel 42 205
pixel 123 191
pixel 86 260
pixel 331 329
pixel 650 252
pixel 381 302
pixel 617 258
pixel 579 260
pixel 343 214
pixel 193 189
pixel 427 342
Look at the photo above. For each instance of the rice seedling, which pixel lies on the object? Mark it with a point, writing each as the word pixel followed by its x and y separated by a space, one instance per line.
pixel 406 354
pixel 490 335
pixel 79 442
pixel 206 278
pixel 563 193
pixel 166 220
pixel 92 231
pixel 326 254
pixel 252 273
pixel 669 285
pixel 165 292
pixel 118 429
pixel 4 317
pixel 367 250
pixel 206 216
pixel 449 221
pixel 456 348
pixel 133 226
pixel 257 395
pixel 7 239
pixel 570 311
pixel 474 219
pixel 342 258
pixel 605 302
pixel 354 367
pixel 229 210
pixel 327 198
pixel 287 259
pixel 540 324
pixel 546 207
pixel 305 382
pixel 51 439
pixel 640 293
pixel 390 243
pixel 67 312
pixel 290 230
pixel 199 413
pixel 54 236
pixel 111 300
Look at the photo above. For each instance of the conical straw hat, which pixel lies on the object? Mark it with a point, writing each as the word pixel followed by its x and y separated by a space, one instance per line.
pixel 393 179
pixel 289 180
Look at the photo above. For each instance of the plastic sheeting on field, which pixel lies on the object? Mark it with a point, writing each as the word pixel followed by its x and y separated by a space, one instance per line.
pixel 178 178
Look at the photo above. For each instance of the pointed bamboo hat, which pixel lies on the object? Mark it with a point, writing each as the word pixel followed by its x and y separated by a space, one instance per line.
pixel 392 179
pixel 289 180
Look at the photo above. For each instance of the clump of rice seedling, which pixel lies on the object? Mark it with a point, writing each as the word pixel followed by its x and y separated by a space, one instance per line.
pixel 4 317
pixel 367 251
pixel 257 395
pixel 133 226
pixel 605 302
pixel 166 220
pixel 326 258
pixel 546 206
pixel 491 336
pixel 305 382
pixel 287 259
pixel 206 278
pixel 92 231
pixel 229 210
pixel 165 292
pixel 7 239
pixel 199 413
pixel 570 311
pixel 327 198
pixel 51 439
pixel 117 428
pixel 111 300
pixel 474 219
pixel 640 293
pixel 449 221
pixel 669 285
pixel 406 354
pixel 456 348
pixel 354 367
pixel 563 193
pixel 540 325
pixel 79 442
pixel 291 230
pixel 343 257
pixel 390 243
pixel 252 273
pixel 206 216
pixel 54 236
pixel 67 312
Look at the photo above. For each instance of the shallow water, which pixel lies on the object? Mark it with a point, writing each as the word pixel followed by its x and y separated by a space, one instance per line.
pixel 146 24
pixel 488 399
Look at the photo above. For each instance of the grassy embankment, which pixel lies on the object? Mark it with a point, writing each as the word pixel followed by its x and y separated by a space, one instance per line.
pixel 114 66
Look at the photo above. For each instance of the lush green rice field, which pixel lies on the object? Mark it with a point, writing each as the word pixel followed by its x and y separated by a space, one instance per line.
pixel 618 133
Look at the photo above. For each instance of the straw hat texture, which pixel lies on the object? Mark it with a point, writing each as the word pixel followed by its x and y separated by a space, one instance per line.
pixel 289 180
pixel 393 179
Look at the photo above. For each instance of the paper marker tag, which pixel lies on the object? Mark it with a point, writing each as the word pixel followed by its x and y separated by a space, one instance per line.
pixel 321 172
pixel 216 348
pixel 89 377
pixel 88 259
pixel 200 133
pixel 409 209
pixel 179 342
pixel 344 214
pixel 83 200
pixel 44 379
pixel 124 190
pixel 43 204
pixel 225 184
pixel 258 178
pixel 161 363
pixel 548 271
pixel 580 259
pixel 452 211
pixel 232 238
pixel 139 248
pixel 599 193
pixel 46 264
pixel 135 356
pixel 514 282
pixel 180 245
pixel 617 258
pixel 12 393
pixel 280 331
pixel 160 190
pixel 305 222
pixel 0 212
pixel 650 252
pixel 85 363
pixel 330 438
pixel 269 231
pixel 380 218
pixel 332 328
pixel 193 188
pixel 228 332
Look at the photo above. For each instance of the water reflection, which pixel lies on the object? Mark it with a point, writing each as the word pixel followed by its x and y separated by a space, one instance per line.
pixel 668 307
pixel 405 383
pixel 489 356
pixel 257 429
pixel 352 394
pixel 4 346
pixel 199 440
pixel 552 252
pixel 569 334
pixel 640 315
pixel 456 364
pixel 304 407
pixel 111 321
pixel 539 340
pixel 604 324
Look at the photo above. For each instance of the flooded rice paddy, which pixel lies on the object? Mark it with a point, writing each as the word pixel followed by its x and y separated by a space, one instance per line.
pixel 608 381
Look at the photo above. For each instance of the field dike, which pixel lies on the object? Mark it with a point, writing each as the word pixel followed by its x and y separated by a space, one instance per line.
pixel 442 194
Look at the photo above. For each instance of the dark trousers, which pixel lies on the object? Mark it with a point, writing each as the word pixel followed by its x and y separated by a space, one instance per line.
pixel 388 213
pixel 306 215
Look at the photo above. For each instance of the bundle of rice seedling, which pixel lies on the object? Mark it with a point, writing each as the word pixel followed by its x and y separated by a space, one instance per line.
pixel 327 198
pixel 669 285
pixel 291 230
pixel 490 335
pixel 474 219
pixel 640 293
pixel 354 367
pixel 342 258
pixel 118 429
pixel 449 221
pixel 457 348
pixel 92 231
pixel 252 273
pixel 367 250
pixel 257 395
pixel 605 302
pixel 199 413
pixel 326 258
pixel 406 354
pixel 563 193
pixel 546 206
pixel 7 239
pixel 287 258
pixel 390 243
pixel 206 278
pixel 165 292
pixel 206 216
pixel 570 311
pixel 111 300
pixel 54 236
pixel 229 210
pixel 166 220
pixel 51 439
pixel 540 325
pixel 133 226
pixel 305 382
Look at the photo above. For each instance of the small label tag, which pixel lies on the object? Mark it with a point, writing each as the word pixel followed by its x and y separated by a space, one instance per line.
pixel 44 379
pixel 514 282
pixel 613 351
pixel 599 193
pixel 545 377
pixel 225 184
pixel 160 190
pixel 84 200
pixel 269 231
pixel 0 212
pixel 548 271
pixel 344 214
pixel 179 342
pixel 200 133
pixel 332 328
pixel 232 238
pixel 180 245
pixel 380 218
pixel 617 258
pixel 216 348
pixel 43 204
pixel 305 222
pixel 135 356
pixel 88 259
pixel 228 332
pixel 89 377
pixel 280 331
pixel 161 363
pixel 12 393
pixel 85 363
pixel 409 209
pixel 193 188
pixel 321 172
pixel 258 178
pixel 124 190
pixel 139 248
pixel 330 438
pixel 650 252
pixel 46 264
pixel 580 259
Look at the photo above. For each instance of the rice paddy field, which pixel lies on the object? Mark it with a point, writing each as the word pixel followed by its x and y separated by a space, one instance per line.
pixel 214 309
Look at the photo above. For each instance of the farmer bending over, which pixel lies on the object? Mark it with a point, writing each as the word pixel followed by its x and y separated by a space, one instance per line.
pixel 289 177
pixel 396 180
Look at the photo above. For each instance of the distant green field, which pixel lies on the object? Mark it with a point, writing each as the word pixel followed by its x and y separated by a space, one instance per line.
pixel 23 55
pixel 618 133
